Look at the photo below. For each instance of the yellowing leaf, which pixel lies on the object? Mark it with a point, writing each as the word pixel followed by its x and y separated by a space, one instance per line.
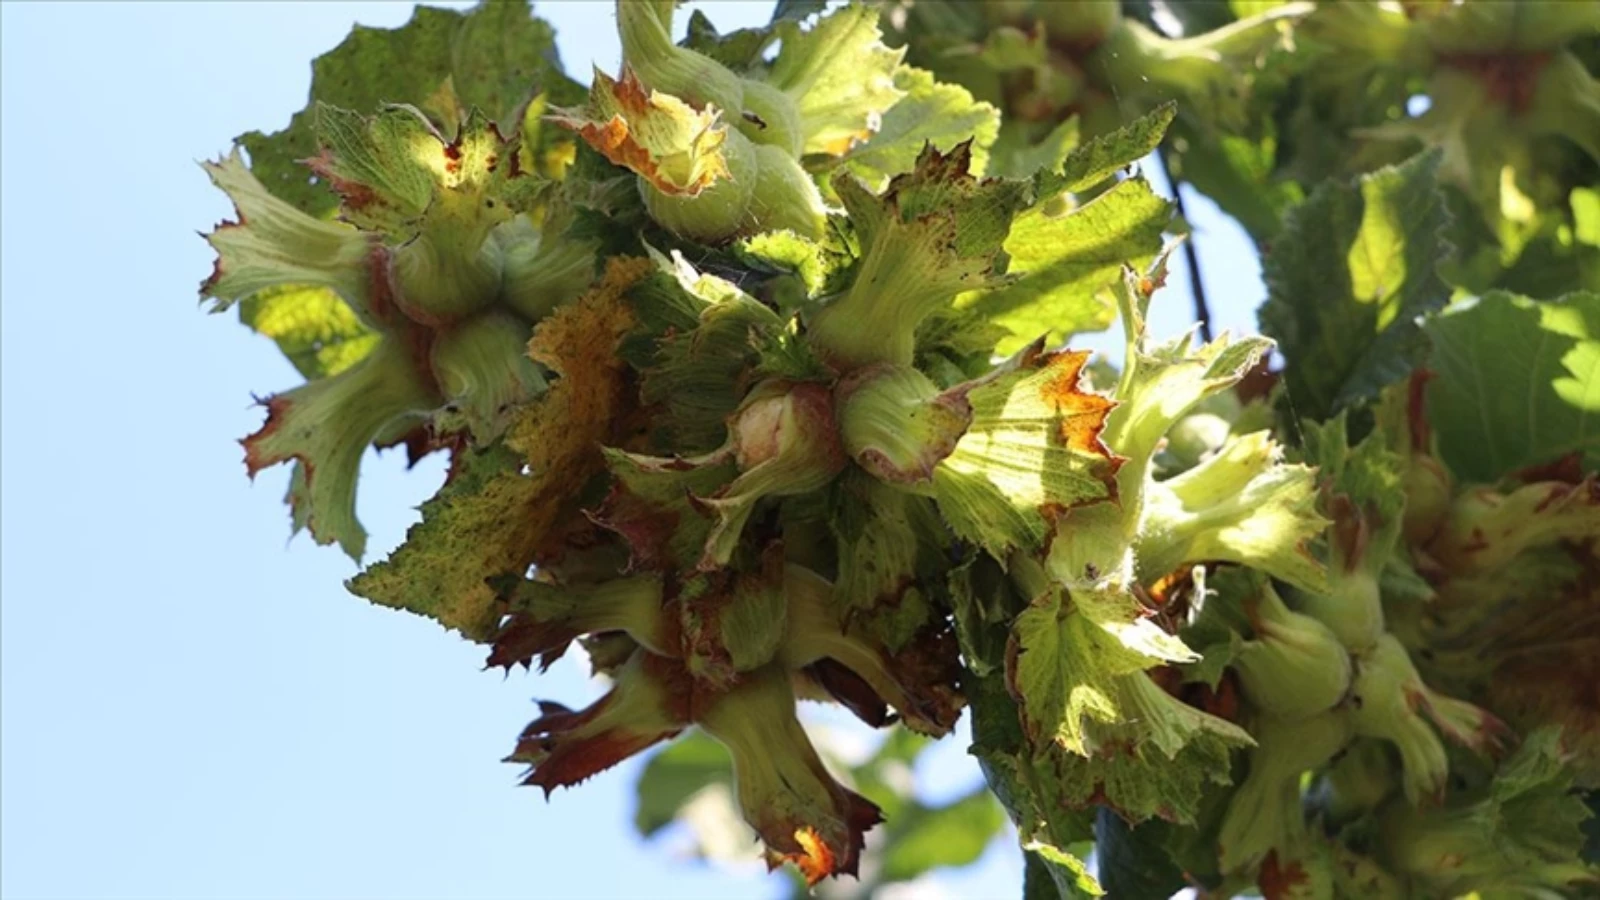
pixel 316 330
pixel 840 74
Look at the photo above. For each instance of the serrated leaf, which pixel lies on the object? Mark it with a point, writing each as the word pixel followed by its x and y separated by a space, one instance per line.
pixel 1067 872
pixel 498 514
pixel 1099 159
pixel 315 329
pixel 1016 155
pixel 1144 783
pixel 840 75
pixel 738 50
pixel 1238 173
pixel 1071 667
pixel 501 57
pixel 651 508
pixel 699 352
pixel 1164 381
pixel 796 10
pixel 1065 265
pixel 816 264
pixel 496 57
pixel 930 112
pixel 1352 272
pixel 1518 382
pixel 1523 834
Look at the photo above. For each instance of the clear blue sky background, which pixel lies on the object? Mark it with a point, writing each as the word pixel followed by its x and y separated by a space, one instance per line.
pixel 192 705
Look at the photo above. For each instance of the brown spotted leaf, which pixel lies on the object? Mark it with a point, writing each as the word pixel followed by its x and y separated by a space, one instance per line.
pixel 504 508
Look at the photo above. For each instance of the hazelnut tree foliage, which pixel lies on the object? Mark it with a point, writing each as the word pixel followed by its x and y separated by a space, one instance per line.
pixel 753 362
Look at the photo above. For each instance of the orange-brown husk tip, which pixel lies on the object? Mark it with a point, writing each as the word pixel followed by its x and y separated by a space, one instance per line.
pixel 801 813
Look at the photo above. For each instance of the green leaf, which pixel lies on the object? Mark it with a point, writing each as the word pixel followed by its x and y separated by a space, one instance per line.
pixel 674 775
pixel 1133 861
pixel 951 835
pixel 738 50
pixel 1241 505
pixel 1238 173
pixel 840 75
pixel 501 57
pixel 1352 272
pixel 930 112
pixel 1065 265
pixel 817 265
pixel 933 234
pixel 1094 162
pixel 1164 381
pixel 877 546
pixel 1067 872
pixel 1524 833
pixel 315 329
pixel 698 353
pixel 797 10
pixel 1072 666
pixel 1140 782
pixel 1517 382
pixel 497 57
pixel 1016 155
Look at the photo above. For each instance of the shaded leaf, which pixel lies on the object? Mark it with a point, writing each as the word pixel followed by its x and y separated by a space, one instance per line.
pixel 1518 382
pixel 1353 271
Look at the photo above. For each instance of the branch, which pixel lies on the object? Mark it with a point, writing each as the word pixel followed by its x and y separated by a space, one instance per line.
pixel 1191 254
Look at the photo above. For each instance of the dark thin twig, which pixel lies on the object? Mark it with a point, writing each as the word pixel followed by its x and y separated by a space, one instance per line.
pixel 1191 255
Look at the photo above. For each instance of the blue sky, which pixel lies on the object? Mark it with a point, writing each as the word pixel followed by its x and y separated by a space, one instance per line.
pixel 192 705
